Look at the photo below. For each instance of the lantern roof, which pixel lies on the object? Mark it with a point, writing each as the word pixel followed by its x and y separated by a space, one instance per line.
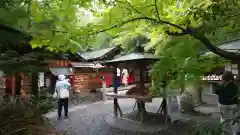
pixel 133 57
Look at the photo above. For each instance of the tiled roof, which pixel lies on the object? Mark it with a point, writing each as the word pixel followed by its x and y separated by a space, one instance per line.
pixel 96 54
pixel 61 71
pixel 134 56
pixel 86 65
pixel 231 46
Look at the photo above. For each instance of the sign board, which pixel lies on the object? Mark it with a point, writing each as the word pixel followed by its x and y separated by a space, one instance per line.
pixel 40 79
pixel 173 107
pixel 232 67
pixel 2 80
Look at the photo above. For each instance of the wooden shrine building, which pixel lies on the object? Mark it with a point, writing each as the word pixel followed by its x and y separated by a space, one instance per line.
pixel 19 61
pixel 88 73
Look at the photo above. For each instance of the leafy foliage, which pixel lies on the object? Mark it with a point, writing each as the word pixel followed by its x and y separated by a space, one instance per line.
pixel 63 25
pixel 52 23
pixel 181 58
pixel 208 129
pixel 58 25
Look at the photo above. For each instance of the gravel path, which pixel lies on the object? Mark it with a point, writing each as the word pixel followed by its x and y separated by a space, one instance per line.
pixel 89 119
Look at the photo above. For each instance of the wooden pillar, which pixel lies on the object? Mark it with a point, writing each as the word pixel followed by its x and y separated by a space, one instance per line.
pixel 238 67
pixel 34 84
pixel 12 86
pixel 104 97
pixel 141 104
pixel 142 81
pixel 115 100
pixel 17 84
pixel 238 74
pixel 53 82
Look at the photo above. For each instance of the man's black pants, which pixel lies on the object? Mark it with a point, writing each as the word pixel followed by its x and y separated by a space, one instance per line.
pixel 63 103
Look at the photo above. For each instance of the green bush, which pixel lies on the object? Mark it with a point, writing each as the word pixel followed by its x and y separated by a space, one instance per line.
pixel 209 129
pixel 45 103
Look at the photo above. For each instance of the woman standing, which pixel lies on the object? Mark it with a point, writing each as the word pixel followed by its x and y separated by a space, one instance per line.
pixel 227 92
pixel 125 77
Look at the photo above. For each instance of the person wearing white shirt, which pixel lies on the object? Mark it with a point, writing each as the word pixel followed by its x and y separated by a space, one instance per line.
pixel 62 94
pixel 125 77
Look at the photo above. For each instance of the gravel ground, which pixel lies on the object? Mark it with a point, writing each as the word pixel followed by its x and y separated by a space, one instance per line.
pixel 89 119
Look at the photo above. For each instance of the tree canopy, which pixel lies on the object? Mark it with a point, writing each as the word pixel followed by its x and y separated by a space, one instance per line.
pixel 56 24
pixel 172 27
pixel 63 24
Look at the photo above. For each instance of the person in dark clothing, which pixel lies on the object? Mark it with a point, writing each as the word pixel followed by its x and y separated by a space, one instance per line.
pixel 227 92
pixel 63 103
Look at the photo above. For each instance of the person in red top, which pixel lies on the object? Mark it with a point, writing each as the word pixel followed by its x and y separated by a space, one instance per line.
pixel 130 78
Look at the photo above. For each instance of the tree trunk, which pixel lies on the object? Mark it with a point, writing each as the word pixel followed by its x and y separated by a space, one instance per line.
pixel 182 75
pixel 35 84
pixel 8 86
pixel 17 87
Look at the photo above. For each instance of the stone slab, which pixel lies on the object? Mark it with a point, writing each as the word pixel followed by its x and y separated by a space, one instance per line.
pixel 207 109
pixel 129 125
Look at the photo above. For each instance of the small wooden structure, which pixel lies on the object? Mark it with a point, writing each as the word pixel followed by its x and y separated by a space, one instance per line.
pixel 138 61
pixel 234 66
pixel 232 46
pixel 214 76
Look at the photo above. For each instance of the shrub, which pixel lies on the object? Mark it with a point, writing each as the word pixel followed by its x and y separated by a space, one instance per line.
pixel 21 117
pixel 45 103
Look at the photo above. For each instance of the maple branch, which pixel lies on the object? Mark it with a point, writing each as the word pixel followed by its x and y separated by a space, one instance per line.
pixel 156 8
pixel 125 22
pixel 184 31
pixel 131 6
pixel 29 12
pixel 176 33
